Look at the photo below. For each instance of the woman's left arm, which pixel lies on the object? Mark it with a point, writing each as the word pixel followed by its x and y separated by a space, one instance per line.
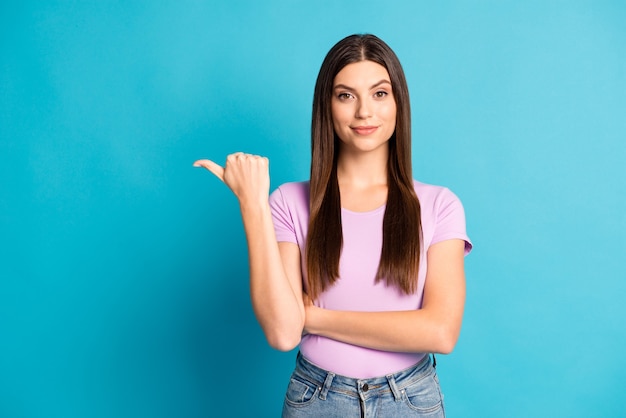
pixel 434 328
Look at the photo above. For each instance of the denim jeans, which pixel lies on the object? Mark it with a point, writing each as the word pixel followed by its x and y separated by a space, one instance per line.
pixel 315 392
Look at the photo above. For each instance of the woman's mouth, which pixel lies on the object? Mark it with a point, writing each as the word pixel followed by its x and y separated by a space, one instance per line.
pixel 364 130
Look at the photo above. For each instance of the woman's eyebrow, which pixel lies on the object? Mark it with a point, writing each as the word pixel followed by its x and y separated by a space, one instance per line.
pixel 344 87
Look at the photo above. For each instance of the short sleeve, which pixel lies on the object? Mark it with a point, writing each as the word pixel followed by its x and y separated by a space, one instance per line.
pixel 450 220
pixel 282 219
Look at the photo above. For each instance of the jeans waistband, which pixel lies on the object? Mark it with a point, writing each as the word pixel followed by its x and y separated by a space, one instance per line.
pixel 363 388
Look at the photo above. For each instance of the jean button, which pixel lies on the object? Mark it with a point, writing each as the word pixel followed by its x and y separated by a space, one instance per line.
pixel 366 387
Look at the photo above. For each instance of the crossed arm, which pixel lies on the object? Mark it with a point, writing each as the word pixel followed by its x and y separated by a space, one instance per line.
pixel 434 328
pixel 284 313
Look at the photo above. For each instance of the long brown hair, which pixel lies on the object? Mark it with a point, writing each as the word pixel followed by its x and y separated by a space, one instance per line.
pixel 400 255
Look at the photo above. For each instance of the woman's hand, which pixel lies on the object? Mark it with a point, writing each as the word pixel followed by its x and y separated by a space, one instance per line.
pixel 245 174
pixel 275 269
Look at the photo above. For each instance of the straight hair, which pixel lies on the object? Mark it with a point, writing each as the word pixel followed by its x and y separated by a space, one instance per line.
pixel 402 231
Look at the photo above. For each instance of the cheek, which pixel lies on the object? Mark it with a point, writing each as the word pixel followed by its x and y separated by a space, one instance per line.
pixel 337 128
pixel 336 111
pixel 389 111
pixel 336 124
pixel 340 117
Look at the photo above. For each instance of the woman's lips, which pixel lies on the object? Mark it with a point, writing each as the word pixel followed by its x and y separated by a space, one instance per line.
pixel 364 130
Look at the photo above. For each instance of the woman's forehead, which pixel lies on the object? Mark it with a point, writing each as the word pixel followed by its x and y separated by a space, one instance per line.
pixel 363 74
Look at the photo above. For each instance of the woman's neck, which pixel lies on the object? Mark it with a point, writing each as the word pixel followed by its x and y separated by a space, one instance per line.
pixel 362 181
pixel 362 169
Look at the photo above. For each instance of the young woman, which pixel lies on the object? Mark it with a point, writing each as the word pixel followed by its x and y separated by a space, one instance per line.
pixel 362 266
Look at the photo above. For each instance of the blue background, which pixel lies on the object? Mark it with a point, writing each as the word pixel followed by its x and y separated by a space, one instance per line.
pixel 123 275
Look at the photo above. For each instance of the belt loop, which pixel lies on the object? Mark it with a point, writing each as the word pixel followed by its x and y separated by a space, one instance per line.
pixel 394 388
pixel 327 382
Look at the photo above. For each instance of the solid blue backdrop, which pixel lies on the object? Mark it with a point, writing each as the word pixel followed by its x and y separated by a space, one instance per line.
pixel 123 271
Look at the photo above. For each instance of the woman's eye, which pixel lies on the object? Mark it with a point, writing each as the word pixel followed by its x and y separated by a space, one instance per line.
pixel 380 94
pixel 344 96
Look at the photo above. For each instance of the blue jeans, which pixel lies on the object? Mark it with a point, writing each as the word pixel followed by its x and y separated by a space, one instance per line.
pixel 315 392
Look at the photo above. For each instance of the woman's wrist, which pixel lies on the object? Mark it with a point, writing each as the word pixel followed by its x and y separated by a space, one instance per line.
pixel 314 319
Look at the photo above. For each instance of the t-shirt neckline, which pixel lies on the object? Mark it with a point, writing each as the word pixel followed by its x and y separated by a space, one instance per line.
pixel 369 212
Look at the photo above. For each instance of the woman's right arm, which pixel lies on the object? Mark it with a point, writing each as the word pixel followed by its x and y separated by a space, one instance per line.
pixel 275 275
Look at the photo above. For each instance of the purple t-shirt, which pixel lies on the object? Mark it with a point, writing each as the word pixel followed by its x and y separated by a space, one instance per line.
pixel 443 218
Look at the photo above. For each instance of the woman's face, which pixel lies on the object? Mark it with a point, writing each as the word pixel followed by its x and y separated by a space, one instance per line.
pixel 363 107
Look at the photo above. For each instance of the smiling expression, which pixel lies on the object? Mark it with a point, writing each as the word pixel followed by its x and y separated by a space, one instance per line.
pixel 363 107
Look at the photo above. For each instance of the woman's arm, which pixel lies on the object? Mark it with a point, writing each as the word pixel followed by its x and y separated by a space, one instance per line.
pixel 433 328
pixel 275 276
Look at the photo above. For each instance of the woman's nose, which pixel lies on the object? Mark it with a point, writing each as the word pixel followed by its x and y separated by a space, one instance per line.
pixel 363 109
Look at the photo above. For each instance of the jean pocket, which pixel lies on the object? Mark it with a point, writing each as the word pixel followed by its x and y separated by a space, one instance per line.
pixel 301 392
pixel 424 396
